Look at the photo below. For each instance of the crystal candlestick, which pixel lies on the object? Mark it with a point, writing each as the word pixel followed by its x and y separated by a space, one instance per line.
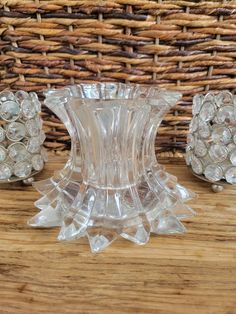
pixel 211 149
pixel 21 136
pixel 112 184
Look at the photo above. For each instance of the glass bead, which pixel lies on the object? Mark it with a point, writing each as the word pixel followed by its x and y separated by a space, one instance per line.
pixel 207 111
pixel 18 152
pixel 6 96
pixel 226 114
pixel 188 157
pixel 37 162
pixel 33 145
pixel 193 125
pixel 10 111
pixel 231 147
pixel 197 104
pixel 232 157
pixel 213 172
pixel 200 148
pixel 15 131
pixel 21 95
pixel 204 130
pixel 224 165
pixel 218 153
pixel 2 134
pixel 28 109
pixel 224 98
pixel 221 134
pixel 38 122
pixel 196 165
pixel 3 154
pixel 32 127
pixel 22 169
pixel 35 101
pixel 190 140
pixel 44 154
pixel 42 137
pixel 5 171
pixel 209 97
pixel 234 99
pixel 230 175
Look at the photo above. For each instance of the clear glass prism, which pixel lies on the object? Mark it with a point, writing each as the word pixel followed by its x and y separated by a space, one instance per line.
pixel 112 185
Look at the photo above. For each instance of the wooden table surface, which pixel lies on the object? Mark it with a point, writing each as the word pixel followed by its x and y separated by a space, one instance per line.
pixel 194 273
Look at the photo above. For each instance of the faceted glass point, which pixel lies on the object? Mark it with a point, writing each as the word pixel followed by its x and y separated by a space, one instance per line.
pixel 182 211
pixel 167 225
pixel 100 239
pixel 138 234
pixel 47 218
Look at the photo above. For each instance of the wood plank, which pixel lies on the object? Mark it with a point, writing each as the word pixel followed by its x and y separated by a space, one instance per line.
pixel 194 273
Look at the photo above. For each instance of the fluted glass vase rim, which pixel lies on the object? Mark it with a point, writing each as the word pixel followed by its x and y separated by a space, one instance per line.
pixel 118 91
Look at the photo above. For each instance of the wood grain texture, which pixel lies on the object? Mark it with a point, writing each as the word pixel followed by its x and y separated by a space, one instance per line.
pixel 194 273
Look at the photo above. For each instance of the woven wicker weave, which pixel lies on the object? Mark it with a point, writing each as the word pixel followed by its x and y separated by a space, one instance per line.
pixel 184 45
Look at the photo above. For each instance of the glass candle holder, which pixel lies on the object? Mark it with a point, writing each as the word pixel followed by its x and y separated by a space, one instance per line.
pixel 21 136
pixel 112 184
pixel 211 148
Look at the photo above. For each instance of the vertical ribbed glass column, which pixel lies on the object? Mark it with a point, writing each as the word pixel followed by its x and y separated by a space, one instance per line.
pixel 111 137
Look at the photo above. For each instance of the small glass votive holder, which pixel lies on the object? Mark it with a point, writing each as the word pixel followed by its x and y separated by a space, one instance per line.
pixel 22 154
pixel 211 142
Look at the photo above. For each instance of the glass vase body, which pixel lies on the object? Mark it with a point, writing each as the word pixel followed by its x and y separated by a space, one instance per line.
pixel 117 188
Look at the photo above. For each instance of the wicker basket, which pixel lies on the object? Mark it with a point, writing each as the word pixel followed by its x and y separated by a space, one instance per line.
pixel 185 45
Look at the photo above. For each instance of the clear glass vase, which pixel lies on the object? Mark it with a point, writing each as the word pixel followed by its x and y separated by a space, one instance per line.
pixel 112 184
